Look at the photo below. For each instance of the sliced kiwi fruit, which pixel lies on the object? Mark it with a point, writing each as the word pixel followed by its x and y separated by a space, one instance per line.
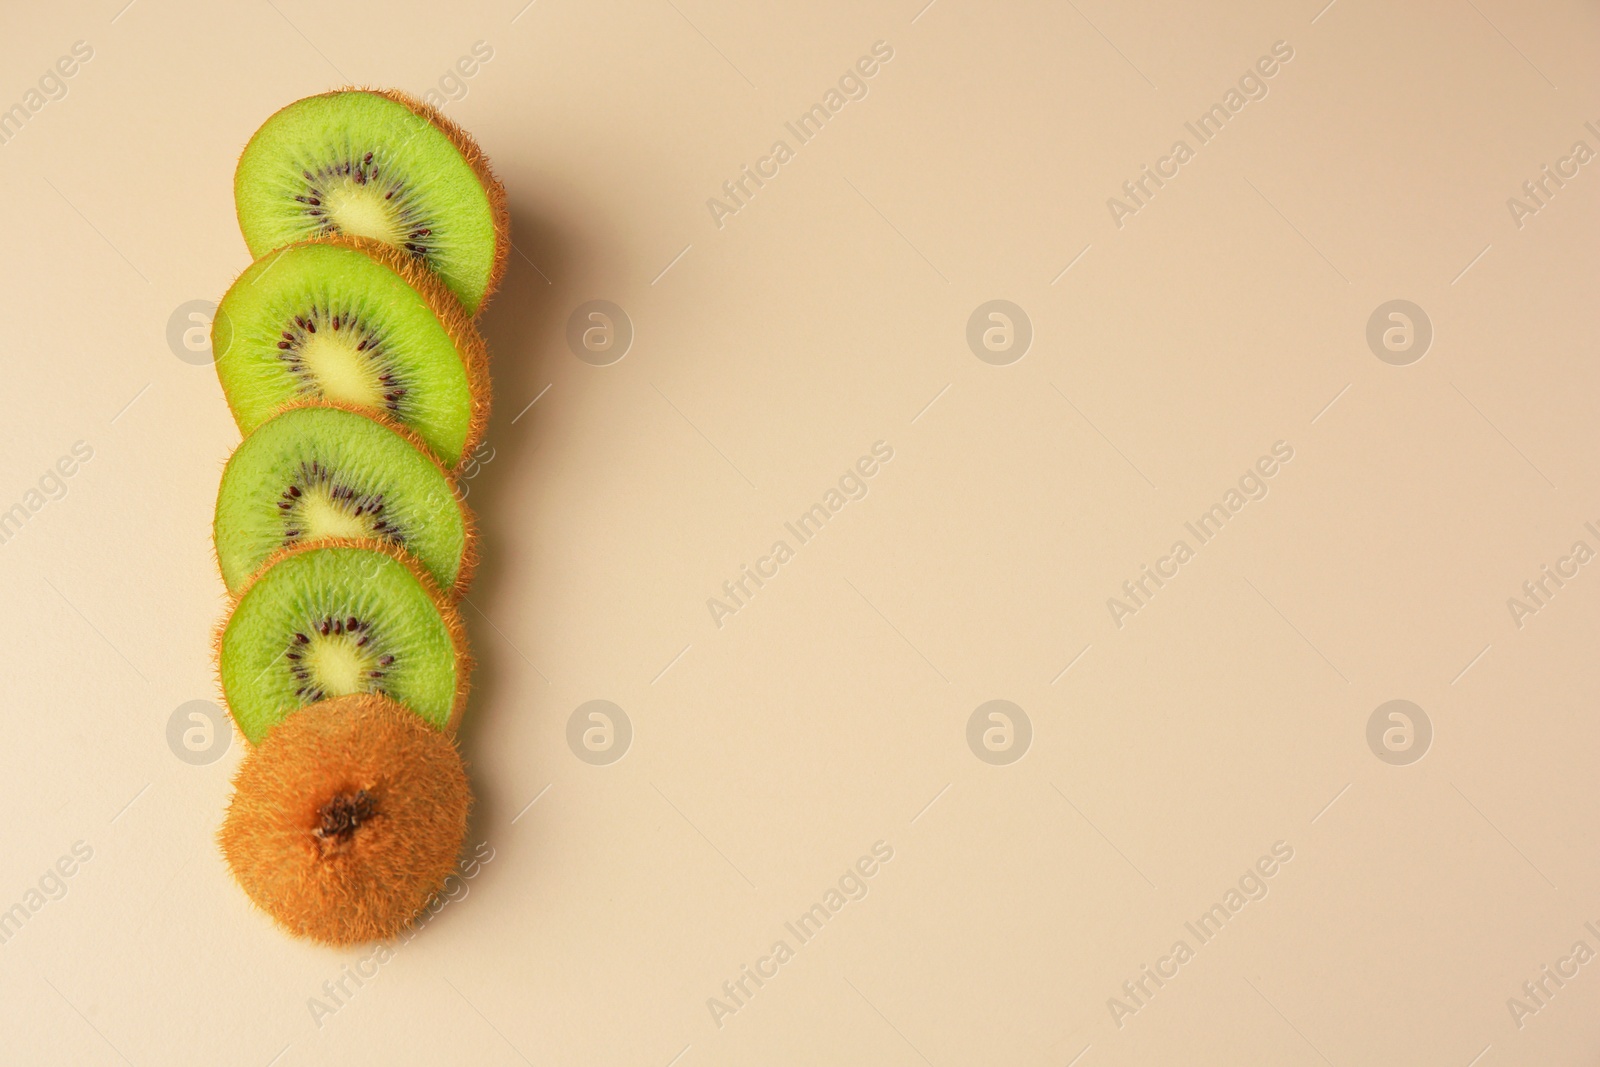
pixel 383 165
pixel 347 819
pixel 352 321
pixel 332 618
pixel 319 470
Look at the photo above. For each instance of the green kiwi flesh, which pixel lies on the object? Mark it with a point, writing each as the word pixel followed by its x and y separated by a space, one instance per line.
pixel 328 320
pixel 328 621
pixel 316 472
pixel 366 164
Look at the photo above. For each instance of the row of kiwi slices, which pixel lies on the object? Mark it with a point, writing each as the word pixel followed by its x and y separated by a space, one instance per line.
pixel 348 355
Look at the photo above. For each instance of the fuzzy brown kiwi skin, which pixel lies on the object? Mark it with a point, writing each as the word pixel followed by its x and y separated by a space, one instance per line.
pixel 464 143
pixel 447 612
pixel 344 889
pixel 469 522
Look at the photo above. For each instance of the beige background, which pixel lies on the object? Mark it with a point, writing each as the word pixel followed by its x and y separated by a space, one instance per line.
pixel 831 712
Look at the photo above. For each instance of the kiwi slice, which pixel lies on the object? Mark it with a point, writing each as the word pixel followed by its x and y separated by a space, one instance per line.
pixel 352 321
pixel 383 165
pixel 318 470
pixel 347 819
pixel 332 618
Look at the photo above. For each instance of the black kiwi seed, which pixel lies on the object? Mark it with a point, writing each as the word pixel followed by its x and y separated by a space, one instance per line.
pixel 313 474
pixel 363 172
pixel 371 346
pixel 311 691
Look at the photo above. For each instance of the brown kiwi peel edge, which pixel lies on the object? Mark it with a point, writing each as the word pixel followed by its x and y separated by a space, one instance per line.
pixel 458 326
pixel 447 612
pixel 464 143
pixel 469 522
